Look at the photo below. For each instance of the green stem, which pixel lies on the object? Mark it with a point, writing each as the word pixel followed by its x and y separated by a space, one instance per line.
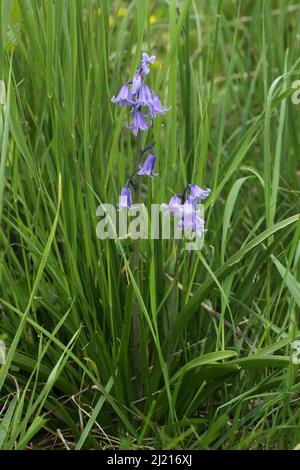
pixel 173 308
pixel 136 319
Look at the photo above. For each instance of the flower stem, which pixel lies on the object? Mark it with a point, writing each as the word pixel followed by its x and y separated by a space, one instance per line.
pixel 136 320
pixel 173 309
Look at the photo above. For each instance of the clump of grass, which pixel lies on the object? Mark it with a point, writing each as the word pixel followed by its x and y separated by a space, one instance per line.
pixel 227 70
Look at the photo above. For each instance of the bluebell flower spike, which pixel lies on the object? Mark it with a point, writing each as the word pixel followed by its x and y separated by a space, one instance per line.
pixel 137 94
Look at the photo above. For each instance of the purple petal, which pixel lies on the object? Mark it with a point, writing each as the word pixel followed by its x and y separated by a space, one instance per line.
pixel 124 97
pixel 145 61
pixel 197 193
pixel 138 123
pixel 174 207
pixel 148 167
pixel 136 83
pixel 156 107
pixel 125 198
pixel 145 95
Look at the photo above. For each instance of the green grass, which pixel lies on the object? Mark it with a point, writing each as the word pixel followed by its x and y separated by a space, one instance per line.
pixel 216 326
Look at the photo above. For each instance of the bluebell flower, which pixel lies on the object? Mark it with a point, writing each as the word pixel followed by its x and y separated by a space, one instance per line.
pixel 189 217
pixel 145 95
pixel 156 107
pixel 136 82
pixel 138 122
pixel 148 167
pixel 174 207
pixel 124 98
pixel 125 198
pixel 197 194
pixel 191 222
pixel 145 61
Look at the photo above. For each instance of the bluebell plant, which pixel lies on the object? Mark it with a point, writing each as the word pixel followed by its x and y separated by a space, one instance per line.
pixel 145 105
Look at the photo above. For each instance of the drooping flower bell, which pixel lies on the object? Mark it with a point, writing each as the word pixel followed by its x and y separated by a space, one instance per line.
pixel 124 97
pixel 156 107
pixel 190 220
pixel 138 122
pixel 197 194
pixel 136 82
pixel 125 200
pixel 148 166
pixel 145 96
pixel 174 206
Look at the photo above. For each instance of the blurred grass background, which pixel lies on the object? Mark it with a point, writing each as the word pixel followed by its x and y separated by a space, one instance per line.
pixel 216 325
